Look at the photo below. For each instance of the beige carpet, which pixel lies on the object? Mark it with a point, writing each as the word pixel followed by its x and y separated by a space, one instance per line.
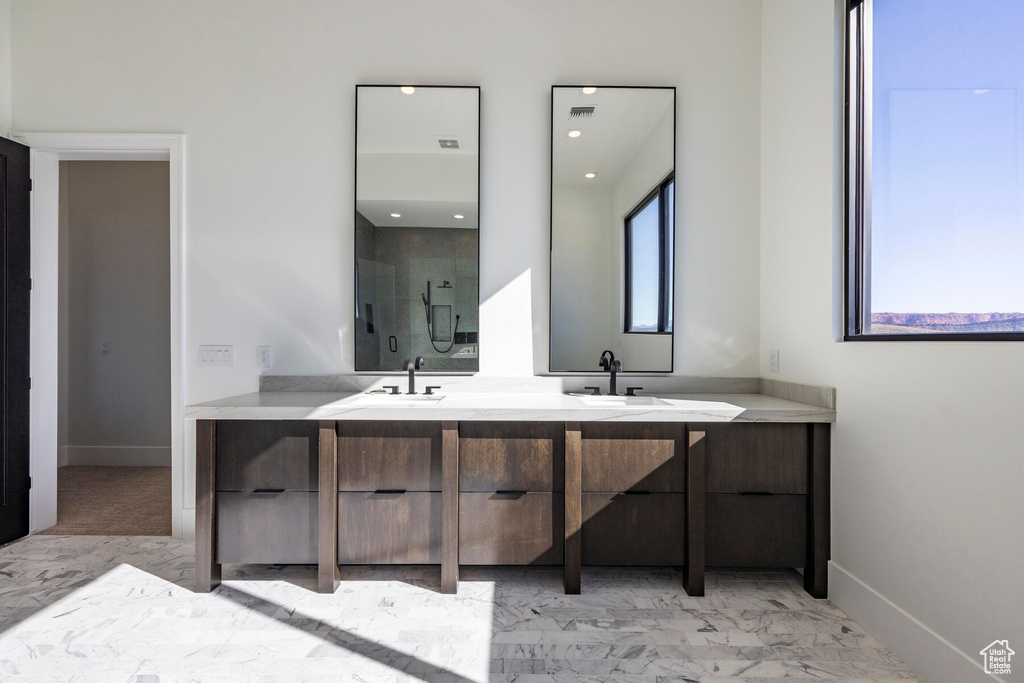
pixel 113 501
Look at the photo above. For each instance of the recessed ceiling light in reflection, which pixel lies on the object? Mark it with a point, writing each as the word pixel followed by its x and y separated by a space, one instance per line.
pixel 396 215
pixel 590 175
pixel 408 89
pixel 574 133
pixel 589 90
pixel 458 215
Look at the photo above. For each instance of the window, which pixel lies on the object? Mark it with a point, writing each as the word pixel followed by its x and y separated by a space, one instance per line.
pixel 649 243
pixel 935 192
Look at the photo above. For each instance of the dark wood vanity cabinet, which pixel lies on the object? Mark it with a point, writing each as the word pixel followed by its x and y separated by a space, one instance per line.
pixel 513 493
pixel 633 486
pixel 267 484
pixel 511 501
pixel 768 498
pixel 389 492
pixel 757 483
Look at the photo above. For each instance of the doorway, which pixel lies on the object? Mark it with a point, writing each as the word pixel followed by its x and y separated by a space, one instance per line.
pixel 114 367
pixel 47 150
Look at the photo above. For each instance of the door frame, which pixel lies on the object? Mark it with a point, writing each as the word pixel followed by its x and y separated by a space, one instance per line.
pixel 47 150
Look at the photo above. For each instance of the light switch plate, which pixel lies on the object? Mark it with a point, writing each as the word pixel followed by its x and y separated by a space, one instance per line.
pixel 217 355
pixel 773 360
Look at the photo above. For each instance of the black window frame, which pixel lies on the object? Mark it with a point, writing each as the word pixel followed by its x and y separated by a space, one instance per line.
pixel 666 225
pixel 857 232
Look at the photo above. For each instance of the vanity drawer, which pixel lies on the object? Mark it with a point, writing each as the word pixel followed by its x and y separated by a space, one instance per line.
pixel 511 528
pixel 511 456
pixel 278 528
pixel 389 455
pixel 633 457
pixel 757 458
pixel 267 454
pixel 756 531
pixel 389 528
pixel 634 529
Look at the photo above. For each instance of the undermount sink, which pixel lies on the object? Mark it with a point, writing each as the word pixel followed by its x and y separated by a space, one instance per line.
pixel 396 400
pixel 621 401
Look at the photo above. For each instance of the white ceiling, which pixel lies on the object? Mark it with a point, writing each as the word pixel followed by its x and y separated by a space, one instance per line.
pixel 391 122
pixel 402 169
pixel 621 123
pixel 418 213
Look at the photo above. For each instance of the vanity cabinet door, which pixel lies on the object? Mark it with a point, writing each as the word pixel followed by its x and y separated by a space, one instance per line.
pixel 756 530
pixel 257 455
pixel 633 457
pixel 757 458
pixel 511 528
pixel 511 456
pixel 267 528
pixel 389 528
pixel 403 456
pixel 634 529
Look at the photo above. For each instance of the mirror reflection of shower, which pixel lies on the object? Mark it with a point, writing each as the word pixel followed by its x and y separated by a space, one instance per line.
pixel 442 312
pixel 417 247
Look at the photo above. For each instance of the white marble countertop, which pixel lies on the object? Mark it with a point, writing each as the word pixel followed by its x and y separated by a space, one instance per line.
pixel 519 407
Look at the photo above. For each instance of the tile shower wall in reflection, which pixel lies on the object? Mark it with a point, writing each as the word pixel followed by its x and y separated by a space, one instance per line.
pixel 416 256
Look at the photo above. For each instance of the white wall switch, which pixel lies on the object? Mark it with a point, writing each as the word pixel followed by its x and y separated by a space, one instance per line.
pixel 263 356
pixel 773 360
pixel 217 355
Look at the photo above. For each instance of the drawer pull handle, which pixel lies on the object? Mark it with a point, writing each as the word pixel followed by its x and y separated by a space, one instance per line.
pixel 394 491
pixel 511 493
pixel 756 493
pixel 266 492
pixel 635 493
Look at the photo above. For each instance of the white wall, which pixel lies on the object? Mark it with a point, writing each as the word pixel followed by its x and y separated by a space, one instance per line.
pixel 5 68
pixel 581 297
pixel 928 473
pixel 265 94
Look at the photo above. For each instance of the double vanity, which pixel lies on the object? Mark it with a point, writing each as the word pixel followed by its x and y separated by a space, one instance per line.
pixel 530 471
pixel 529 478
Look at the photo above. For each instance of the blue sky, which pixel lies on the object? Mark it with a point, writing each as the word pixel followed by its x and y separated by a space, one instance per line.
pixel 947 191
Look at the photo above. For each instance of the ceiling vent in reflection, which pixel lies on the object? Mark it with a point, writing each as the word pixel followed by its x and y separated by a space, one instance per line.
pixel 581 113
pixel 447 142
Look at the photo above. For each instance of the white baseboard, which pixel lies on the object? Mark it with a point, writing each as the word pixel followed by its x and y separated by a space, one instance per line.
pixel 62 456
pixel 929 654
pixel 119 456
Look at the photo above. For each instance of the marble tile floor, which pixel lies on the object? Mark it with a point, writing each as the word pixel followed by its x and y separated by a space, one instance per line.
pixel 109 609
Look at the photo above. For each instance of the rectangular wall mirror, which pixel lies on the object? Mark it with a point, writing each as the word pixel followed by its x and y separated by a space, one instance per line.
pixel 417 227
pixel 612 227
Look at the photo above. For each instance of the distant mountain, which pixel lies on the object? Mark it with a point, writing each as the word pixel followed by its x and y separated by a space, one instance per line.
pixel 946 322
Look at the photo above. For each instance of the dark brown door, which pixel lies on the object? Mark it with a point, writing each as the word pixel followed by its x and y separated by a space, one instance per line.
pixel 14 339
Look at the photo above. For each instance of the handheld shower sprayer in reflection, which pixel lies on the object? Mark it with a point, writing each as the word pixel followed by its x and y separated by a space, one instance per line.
pixel 428 313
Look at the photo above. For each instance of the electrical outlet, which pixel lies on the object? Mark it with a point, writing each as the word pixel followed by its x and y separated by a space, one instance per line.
pixel 217 355
pixel 104 348
pixel 773 360
pixel 263 356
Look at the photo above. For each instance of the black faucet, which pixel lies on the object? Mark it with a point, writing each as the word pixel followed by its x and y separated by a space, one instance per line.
pixel 412 367
pixel 608 362
pixel 614 367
